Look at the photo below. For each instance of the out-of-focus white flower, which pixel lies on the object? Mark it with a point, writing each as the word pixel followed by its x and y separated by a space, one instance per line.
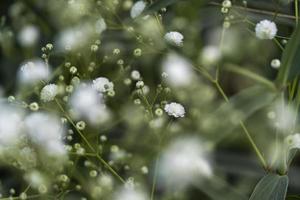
pixel 10 124
pixel 293 141
pixel 79 36
pixel 265 29
pixel 137 9
pixel 49 92
pixel 135 75
pixel 88 103
pixel 28 35
pixel 33 71
pixel 284 118
pixel 35 178
pixel 179 70
pixel 47 131
pixel 210 55
pixel 183 162
pixel 130 194
pixel 103 85
pixel 174 37
pixel 275 63
pixel 100 26
pixel 175 109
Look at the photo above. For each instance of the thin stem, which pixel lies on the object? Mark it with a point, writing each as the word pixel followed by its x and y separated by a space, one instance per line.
pixel 89 144
pixel 157 161
pixel 249 137
pixel 296 12
pixel 253 10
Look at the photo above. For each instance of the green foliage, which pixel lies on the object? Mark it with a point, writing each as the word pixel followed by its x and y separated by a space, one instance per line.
pixel 271 187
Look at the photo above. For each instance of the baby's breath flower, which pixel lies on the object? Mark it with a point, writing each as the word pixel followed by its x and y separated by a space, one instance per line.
pixel 140 84
pixel 28 36
pixel 174 37
pixel 34 106
pixel 49 92
pixel 137 9
pixel 135 75
pixel 175 109
pixel 34 71
pixel 80 125
pixel 103 85
pixel 265 30
pixel 275 63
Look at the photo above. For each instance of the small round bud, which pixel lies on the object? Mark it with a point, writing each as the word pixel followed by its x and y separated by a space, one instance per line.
pixel 34 106
pixel 49 46
pixel 11 99
pixel 140 84
pixel 137 101
pixel 73 70
pixel 159 112
pixel 116 51
pixel 226 4
pixel 275 63
pixel 94 48
pixel 80 125
pixel 93 173
pixel 137 52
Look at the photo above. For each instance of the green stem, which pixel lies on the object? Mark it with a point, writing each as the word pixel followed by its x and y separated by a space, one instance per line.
pixel 249 137
pixel 296 12
pixel 89 144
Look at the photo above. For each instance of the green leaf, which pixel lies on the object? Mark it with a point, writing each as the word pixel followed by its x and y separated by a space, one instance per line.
pixel 271 187
pixel 159 4
pixel 290 61
pixel 240 107
pixel 251 75
pixel 293 197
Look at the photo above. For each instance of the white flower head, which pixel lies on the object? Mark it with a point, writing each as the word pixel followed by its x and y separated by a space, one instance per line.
pixel 137 9
pixel 174 37
pixel 47 131
pixel 130 194
pixel 265 30
pixel 184 161
pixel 210 55
pixel 103 85
pixel 178 69
pixel 275 63
pixel 293 141
pixel 33 71
pixel 49 92
pixel 135 75
pixel 86 102
pixel 175 109
pixel 28 35
pixel 10 124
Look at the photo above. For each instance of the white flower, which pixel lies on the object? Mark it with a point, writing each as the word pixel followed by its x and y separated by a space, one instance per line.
pixel 88 103
pixel 33 71
pixel 28 35
pixel 265 29
pixel 135 75
pixel 102 84
pixel 129 194
pixel 184 161
pixel 175 109
pixel 43 128
pixel 10 124
pixel 49 92
pixel 210 55
pixel 293 141
pixel 137 9
pixel 275 63
pixel 179 70
pixel 174 37
pixel 100 26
